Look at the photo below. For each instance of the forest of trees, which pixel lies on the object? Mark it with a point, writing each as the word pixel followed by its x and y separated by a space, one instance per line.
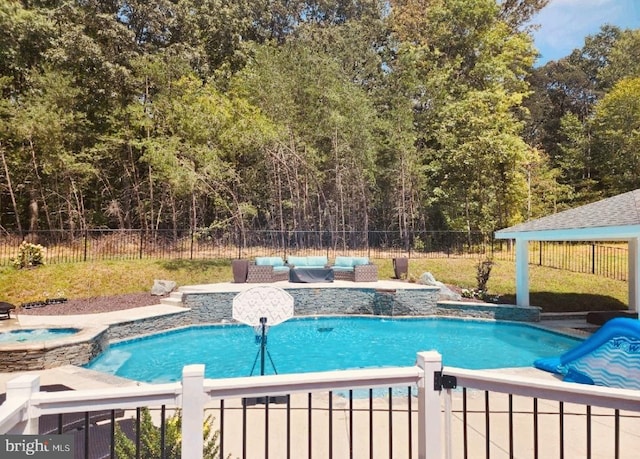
pixel 315 115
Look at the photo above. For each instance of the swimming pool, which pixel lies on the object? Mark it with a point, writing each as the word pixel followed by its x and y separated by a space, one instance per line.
pixel 330 343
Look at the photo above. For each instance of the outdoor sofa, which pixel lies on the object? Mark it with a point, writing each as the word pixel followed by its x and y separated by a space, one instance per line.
pixel 356 269
pixel 267 269
pixel 273 269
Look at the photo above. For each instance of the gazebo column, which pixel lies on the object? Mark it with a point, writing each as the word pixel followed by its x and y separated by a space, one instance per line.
pixel 634 282
pixel 522 272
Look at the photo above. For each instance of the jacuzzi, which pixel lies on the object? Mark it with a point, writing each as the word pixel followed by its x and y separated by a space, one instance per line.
pixel 38 348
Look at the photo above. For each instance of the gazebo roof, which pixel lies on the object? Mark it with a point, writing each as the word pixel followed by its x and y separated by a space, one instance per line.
pixel 615 218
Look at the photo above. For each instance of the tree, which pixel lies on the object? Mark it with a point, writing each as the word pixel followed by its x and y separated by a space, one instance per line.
pixel 576 161
pixel 517 13
pixel 320 169
pixel 469 68
pixel 561 106
pixel 616 131
pixel 43 130
pixel 623 59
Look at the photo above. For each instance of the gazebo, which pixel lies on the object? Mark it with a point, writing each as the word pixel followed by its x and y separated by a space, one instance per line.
pixel 612 219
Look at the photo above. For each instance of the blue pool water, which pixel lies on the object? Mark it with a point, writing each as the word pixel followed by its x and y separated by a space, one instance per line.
pixel 330 343
pixel 35 335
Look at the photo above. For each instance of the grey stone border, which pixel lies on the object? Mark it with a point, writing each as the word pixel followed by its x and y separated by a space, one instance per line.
pixel 76 349
pixel 215 307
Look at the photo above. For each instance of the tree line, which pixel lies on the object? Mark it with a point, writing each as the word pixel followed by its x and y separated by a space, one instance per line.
pixel 310 115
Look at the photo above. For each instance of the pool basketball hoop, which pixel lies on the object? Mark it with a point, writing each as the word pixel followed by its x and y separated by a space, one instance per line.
pixel 262 307
pixel 272 303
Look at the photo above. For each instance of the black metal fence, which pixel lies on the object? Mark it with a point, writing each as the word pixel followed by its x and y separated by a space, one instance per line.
pixel 608 260
pixel 95 245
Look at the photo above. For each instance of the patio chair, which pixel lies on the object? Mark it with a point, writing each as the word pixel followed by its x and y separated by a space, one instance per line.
pixel 267 269
pixel 356 269
pixel 5 309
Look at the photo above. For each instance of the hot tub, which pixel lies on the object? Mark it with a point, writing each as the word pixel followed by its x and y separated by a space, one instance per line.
pixel 49 347
pixel 35 335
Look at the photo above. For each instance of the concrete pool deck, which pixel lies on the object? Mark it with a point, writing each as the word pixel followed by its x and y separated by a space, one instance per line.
pixel 168 305
pixel 569 323
pixel 79 378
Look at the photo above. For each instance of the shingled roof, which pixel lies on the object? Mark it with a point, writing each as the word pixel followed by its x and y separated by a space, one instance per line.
pixel 614 217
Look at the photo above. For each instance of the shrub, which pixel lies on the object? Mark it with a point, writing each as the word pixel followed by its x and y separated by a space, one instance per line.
pixel 483 271
pixel 29 255
pixel 150 439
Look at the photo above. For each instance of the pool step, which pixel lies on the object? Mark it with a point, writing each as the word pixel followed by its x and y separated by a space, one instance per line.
pixel 174 299
pixel 563 315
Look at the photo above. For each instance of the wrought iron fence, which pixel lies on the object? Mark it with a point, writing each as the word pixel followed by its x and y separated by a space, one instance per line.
pixel 608 260
pixel 205 243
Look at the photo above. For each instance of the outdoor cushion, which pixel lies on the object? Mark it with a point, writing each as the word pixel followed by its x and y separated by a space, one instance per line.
pixel 343 268
pixel 308 262
pixel 317 261
pixel 358 261
pixel 347 264
pixel 269 261
pixel 344 262
pixel 297 261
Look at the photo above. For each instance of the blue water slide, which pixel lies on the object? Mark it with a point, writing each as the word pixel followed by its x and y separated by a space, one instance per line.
pixel 610 357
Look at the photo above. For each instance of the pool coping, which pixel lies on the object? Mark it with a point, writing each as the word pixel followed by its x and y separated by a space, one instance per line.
pixel 120 325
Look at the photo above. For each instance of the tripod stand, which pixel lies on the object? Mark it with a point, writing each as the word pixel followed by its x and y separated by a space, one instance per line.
pixel 263 349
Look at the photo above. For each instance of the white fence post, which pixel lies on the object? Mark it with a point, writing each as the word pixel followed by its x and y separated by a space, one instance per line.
pixel 192 411
pixel 429 420
pixel 24 387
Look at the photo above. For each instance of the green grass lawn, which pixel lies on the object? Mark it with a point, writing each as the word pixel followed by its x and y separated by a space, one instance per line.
pixel 552 289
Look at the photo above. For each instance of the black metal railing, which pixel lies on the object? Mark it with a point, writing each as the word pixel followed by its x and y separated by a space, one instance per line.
pixel 504 424
pixel 517 422
pixel 95 434
pixel 318 427
pixel 607 260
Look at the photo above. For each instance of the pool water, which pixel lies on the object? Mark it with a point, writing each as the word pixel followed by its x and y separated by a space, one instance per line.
pixel 330 343
pixel 35 335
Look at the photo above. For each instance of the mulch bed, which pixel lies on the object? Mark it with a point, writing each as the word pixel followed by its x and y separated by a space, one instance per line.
pixel 94 305
pixel 118 303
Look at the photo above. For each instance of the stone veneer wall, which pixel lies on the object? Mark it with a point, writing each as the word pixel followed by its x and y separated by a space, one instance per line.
pixel 488 311
pixel 209 307
pixel 50 354
pixel 203 308
pixel 148 325
pixel 82 348
pixel 216 307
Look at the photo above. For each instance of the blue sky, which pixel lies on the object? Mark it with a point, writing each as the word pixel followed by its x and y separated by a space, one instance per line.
pixel 566 23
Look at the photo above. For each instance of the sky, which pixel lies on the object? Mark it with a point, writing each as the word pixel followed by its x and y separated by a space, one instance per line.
pixel 566 23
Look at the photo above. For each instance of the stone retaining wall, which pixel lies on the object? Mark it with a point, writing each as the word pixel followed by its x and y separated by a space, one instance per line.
pixel 488 311
pixel 76 349
pixel 149 325
pixel 207 307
